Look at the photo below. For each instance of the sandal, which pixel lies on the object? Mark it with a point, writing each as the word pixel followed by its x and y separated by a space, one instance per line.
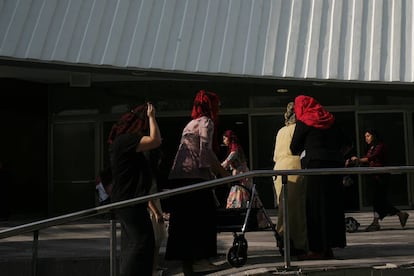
pixel 403 218
pixel 373 227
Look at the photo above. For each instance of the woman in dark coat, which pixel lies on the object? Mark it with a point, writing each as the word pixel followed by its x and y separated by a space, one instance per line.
pixel 318 142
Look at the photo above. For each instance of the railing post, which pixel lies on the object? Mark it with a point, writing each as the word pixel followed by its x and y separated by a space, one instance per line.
pixel 34 252
pixel 286 236
pixel 113 247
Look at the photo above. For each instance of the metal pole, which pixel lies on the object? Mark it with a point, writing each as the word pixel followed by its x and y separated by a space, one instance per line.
pixel 286 237
pixel 113 245
pixel 249 205
pixel 34 252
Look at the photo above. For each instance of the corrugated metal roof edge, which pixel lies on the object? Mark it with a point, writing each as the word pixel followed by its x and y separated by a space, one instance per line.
pixel 140 72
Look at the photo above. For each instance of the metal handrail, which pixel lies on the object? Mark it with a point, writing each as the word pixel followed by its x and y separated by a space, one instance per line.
pixel 38 225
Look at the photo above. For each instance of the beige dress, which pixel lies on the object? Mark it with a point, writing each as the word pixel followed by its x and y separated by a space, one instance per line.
pixel 284 160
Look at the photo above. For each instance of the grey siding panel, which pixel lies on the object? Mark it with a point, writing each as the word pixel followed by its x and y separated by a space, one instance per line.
pixel 61 41
pixel 271 37
pixel 139 20
pixel 347 40
pixel 13 26
pixel 407 56
pixel 93 21
pixel 179 54
pixel 227 49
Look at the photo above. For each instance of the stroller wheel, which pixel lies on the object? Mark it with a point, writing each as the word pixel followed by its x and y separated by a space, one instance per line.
pixel 351 224
pixel 237 256
pixel 240 241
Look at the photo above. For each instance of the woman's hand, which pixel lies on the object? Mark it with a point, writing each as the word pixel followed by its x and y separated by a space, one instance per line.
pixel 150 110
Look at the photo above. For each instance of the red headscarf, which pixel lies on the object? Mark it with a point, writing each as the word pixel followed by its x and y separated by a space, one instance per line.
pixel 130 122
pixel 208 104
pixel 312 113
pixel 233 141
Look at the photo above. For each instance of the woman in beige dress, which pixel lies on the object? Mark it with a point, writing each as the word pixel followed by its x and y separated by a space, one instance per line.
pixel 284 160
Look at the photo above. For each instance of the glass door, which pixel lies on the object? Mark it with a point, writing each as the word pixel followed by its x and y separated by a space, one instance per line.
pixel 263 131
pixel 73 167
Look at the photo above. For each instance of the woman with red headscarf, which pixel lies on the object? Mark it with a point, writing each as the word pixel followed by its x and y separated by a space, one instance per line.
pixel 135 133
pixel 239 195
pixel 195 162
pixel 236 162
pixel 318 142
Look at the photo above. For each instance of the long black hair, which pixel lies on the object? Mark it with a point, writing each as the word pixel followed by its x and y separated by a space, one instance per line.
pixel 376 137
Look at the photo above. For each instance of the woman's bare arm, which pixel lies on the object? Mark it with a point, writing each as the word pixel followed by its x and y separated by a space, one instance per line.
pixel 154 139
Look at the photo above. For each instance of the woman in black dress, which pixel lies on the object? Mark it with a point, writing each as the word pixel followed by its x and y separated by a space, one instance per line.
pixel 135 133
pixel 318 141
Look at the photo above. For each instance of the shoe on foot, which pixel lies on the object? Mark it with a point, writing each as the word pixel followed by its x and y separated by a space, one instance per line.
pixel 403 218
pixel 373 227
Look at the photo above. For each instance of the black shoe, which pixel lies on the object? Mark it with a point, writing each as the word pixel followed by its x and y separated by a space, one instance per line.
pixel 403 218
pixel 373 227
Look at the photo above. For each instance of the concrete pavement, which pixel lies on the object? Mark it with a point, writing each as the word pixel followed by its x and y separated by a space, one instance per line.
pixel 82 248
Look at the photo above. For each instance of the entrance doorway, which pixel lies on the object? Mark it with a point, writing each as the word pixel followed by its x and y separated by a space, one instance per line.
pixel 73 163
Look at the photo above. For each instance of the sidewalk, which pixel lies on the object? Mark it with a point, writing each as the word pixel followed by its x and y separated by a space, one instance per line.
pixel 83 249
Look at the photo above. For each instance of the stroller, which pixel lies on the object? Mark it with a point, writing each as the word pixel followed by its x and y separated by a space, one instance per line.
pixel 243 220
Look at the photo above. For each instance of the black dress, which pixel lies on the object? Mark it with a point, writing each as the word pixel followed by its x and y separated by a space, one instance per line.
pixel 324 193
pixel 132 178
pixel 192 233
